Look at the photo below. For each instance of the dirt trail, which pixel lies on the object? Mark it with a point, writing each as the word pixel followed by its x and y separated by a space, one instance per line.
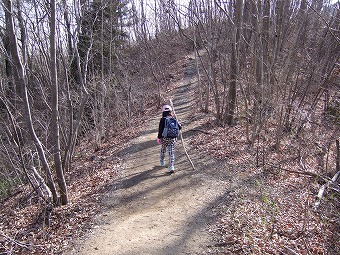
pixel 151 212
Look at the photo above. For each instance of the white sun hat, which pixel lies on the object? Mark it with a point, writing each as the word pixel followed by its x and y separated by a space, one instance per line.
pixel 166 108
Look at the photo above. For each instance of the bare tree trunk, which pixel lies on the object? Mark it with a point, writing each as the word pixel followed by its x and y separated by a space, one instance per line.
pixel 337 159
pixel 100 93
pixel 233 85
pixel 68 141
pixel 259 90
pixel 234 62
pixel 103 90
pixel 68 138
pixel 199 85
pixel 14 87
pixel 68 29
pixel 265 43
pixel 55 108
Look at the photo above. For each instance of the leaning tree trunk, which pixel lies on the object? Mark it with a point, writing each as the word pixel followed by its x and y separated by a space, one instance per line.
pixel 20 77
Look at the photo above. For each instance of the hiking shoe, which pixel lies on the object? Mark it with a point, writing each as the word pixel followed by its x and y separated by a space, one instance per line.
pixel 171 169
pixel 162 163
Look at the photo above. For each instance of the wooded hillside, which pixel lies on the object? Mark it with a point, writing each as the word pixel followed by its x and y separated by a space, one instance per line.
pixel 80 73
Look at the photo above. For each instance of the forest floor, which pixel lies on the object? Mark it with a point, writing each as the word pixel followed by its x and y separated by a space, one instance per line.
pixel 240 199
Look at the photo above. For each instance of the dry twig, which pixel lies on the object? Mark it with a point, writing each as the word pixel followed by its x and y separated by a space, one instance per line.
pixel 323 189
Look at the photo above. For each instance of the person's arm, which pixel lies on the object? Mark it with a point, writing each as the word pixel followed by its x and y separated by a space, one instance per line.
pixel 161 128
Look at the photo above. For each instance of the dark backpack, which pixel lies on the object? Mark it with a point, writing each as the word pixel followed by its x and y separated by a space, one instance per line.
pixel 171 128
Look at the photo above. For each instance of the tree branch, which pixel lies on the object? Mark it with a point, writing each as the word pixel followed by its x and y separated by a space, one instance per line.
pixel 181 137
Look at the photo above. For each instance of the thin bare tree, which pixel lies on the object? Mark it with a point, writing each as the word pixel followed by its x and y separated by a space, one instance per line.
pixel 56 151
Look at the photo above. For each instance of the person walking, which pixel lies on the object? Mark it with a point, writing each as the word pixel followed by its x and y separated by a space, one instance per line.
pixel 168 131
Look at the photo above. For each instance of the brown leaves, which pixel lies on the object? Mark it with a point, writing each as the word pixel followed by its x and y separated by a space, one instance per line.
pixel 271 210
pixel 22 230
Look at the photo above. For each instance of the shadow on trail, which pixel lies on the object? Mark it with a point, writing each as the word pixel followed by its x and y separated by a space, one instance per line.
pixel 134 179
pixel 136 147
pixel 198 222
pixel 127 183
pixel 201 220
pixel 187 133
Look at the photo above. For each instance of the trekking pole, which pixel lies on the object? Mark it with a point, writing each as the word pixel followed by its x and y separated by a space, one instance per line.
pixel 181 137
